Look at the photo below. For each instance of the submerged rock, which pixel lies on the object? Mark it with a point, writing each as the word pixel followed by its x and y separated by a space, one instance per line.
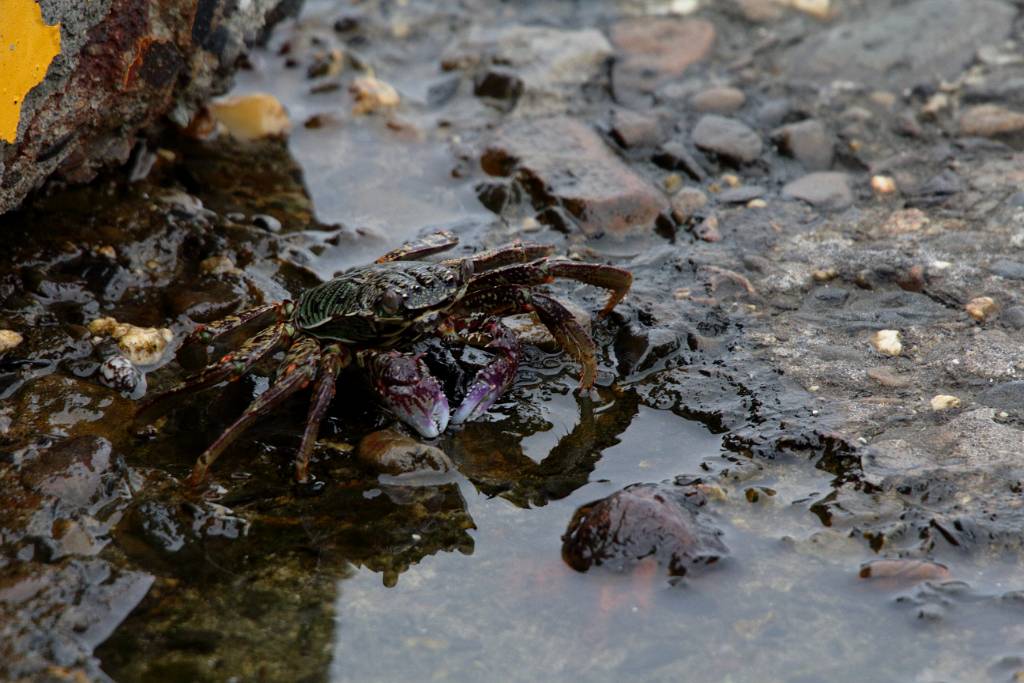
pixel 728 138
pixel 640 521
pixel 389 452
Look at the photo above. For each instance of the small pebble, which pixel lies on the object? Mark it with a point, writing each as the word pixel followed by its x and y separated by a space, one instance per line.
pixel 141 345
pixel 265 222
pixel 907 570
pixel 251 117
pixel 888 377
pixel 687 202
pixel 217 265
pixel 757 204
pixel 883 184
pixel 981 308
pixel 107 251
pixel 9 339
pixel 944 402
pixel 887 342
pixel 372 95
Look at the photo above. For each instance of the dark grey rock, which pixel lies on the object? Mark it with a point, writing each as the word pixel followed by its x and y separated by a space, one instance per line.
pixel 741 195
pixel 808 142
pixel 673 156
pixel 1007 396
pixel 728 138
pixel 920 42
pixel 825 189
pixel 634 129
pixel 1013 317
pixel 1011 270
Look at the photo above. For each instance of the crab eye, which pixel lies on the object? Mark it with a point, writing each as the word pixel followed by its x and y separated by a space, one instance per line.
pixel 391 301
pixel 466 269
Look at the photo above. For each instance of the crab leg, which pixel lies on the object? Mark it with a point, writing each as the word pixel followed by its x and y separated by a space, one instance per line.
pixel 417 249
pixel 260 315
pixel 335 359
pixel 494 379
pixel 407 389
pixel 616 280
pixel 518 252
pixel 299 368
pixel 566 330
pixel 231 366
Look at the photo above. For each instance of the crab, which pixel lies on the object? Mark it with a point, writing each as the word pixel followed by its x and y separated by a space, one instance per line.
pixel 371 315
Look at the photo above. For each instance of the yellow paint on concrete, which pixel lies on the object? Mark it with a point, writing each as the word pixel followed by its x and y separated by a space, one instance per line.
pixel 27 46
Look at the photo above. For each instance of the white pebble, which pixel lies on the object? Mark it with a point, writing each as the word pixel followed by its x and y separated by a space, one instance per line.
pixel 887 342
pixel 944 402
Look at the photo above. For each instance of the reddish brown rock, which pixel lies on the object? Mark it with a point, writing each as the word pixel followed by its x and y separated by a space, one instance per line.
pixel 561 162
pixel 991 120
pixel 653 50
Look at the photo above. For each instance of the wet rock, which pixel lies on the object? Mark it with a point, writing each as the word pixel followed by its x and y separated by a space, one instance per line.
pixel 371 95
pixel 634 129
pixel 905 221
pixel 904 571
pixel 808 142
pixel 916 42
pixel 122 67
pixel 687 203
pixel 638 348
pixel 707 230
pixel 654 50
pixel 389 452
pixel 561 161
pixel 723 100
pixel 824 189
pixel 990 120
pixel 528 328
pixel 728 138
pixel 550 63
pixel 643 520
pixel 252 116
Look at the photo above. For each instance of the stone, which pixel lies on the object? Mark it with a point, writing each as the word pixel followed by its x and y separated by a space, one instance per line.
pixel 654 50
pixel 728 138
pixel 990 120
pixel 808 142
pixel 499 84
pixel 942 402
pixel 122 68
pixel 1011 270
pixel 888 377
pixel 389 452
pixel 634 129
pixel 887 342
pixel 1014 317
pixel 981 308
pixel 741 195
pixel 141 345
pixel 823 189
pixel 900 47
pixel 9 339
pixel 904 570
pixel 549 63
pixel 725 100
pixel 673 156
pixel 252 116
pixel 117 372
pixel 707 230
pixel 1008 396
pixel 687 203
pixel 883 184
pixel 564 163
pixel 904 222
pixel 640 521
pixel 372 95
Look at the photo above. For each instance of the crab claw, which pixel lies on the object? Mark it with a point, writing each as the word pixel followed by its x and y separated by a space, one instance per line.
pixel 493 379
pixel 407 389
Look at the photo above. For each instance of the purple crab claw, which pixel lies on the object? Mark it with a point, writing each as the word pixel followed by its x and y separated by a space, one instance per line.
pixel 408 390
pixel 493 379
